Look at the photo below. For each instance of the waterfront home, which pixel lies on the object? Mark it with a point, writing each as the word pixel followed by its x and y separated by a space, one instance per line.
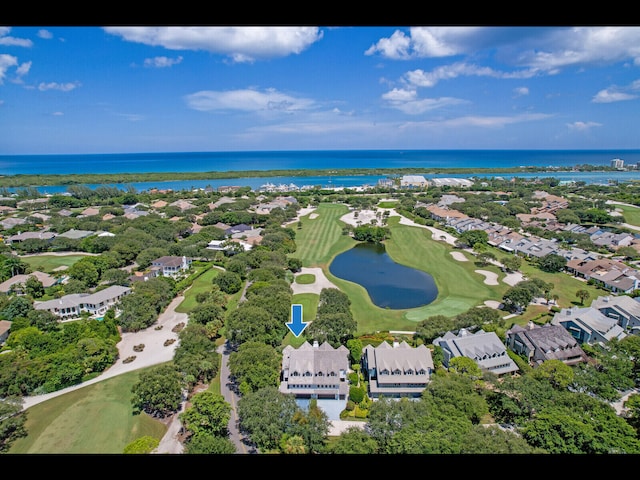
pixel 485 348
pixel 396 371
pixel 413 181
pixel 547 342
pixel 315 371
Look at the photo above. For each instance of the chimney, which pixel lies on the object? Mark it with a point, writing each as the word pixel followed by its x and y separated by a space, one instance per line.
pixel 315 344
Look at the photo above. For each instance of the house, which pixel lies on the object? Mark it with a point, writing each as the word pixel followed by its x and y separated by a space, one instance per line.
pixel 548 342
pixel 610 274
pixel 396 371
pixel 224 245
pixel 5 329
pixel 485 348
pixel 413 181
pixel 588 325
pixel 170 266
pixel 622 308
pixel 315 371
pixel 76 234
pixel 16 282
pixel 21 237
pixel 72 305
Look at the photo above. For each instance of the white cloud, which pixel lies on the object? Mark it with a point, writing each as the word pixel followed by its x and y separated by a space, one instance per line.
pixel 617 94
pixel 162 62
pixel 609 96
pixel 248 100
pixel 520 91
pixel 6 62
pixel 582 126
pixel 480 121
pixel 420 78
pixel 424 42
pixel 396 47
pixel 242 44
pixel 46 34
pixel 132 117
pixel 13 41
pixel 57 114
pixel 544 49
pixel 63 87
pixel 407 101
pixel 23 69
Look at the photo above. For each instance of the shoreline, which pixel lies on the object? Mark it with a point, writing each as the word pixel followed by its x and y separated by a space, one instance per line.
pixel 50 180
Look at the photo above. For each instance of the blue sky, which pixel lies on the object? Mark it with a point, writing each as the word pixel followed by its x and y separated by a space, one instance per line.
pixel 178 89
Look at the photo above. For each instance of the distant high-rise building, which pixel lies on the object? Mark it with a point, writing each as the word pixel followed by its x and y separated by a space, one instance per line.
pixel 617 163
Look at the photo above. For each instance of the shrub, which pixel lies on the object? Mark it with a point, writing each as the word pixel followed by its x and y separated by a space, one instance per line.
pixel 146 444
pixel 356 394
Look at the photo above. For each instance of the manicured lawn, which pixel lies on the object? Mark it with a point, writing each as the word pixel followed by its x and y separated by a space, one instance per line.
pixel 49 263
pixel 96 419
pixel 200 285
pixel 320 238
pixel 306 278
pixel 631 214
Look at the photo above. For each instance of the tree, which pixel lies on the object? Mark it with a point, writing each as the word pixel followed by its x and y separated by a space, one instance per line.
pixel 517 298
pixel 629 253
pixel 11 422
pixel 85 271
pixel 470 238
pixel 512 263
pixel 229 282
pixel 465 366
pixel 204 444
pixel 158 392
pixel 16 308
pixel 552 263
pixel 209 414
pixel 582 295
pixel 34 287
pixel 354 440
pixel 265 416
pixel 255 365
pixel 253 323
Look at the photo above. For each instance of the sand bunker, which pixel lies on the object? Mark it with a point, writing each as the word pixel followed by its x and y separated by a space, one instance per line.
pixel 459 256
pixel 490 278
pixel 513 278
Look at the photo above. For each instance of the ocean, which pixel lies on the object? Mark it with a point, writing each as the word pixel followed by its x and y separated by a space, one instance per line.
pixel 317 160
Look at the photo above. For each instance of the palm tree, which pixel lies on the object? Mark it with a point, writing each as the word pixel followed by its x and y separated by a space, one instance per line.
pixel 582 295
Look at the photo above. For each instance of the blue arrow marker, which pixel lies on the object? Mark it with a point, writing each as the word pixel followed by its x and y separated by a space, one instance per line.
pixel 296 325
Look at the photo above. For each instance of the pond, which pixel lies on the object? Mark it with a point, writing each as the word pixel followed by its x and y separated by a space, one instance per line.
pixel 389 284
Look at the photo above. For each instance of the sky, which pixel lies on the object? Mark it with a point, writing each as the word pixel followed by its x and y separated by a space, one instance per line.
pixel 128 89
